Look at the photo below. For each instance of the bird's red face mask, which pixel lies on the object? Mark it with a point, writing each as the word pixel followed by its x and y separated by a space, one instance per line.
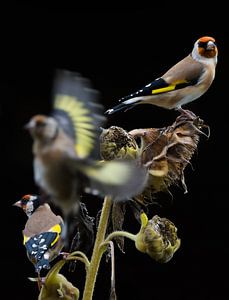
pixel 207 47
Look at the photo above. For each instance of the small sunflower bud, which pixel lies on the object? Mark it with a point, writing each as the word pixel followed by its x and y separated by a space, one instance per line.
pixel 157 238
pixel 56 286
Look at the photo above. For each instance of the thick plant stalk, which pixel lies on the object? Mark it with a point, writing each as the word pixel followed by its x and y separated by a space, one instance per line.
pixel 98 250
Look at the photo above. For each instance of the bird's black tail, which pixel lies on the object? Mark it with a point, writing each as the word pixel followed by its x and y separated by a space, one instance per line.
pixel 42 264
pixel 126 105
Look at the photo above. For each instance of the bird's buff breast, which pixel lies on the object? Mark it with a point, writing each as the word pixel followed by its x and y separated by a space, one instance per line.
pixel 40 174
pixel 52 178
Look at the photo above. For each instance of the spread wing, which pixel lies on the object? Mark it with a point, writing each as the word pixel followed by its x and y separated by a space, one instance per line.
pixel 77 110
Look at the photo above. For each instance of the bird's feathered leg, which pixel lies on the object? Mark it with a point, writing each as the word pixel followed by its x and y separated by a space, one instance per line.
pixel 186 112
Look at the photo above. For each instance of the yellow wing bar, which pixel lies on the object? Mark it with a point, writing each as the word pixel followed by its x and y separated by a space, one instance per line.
pixel 82 122
pixel 165 89
pixel 57 229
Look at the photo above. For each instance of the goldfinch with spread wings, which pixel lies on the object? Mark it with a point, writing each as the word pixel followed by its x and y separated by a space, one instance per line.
pixel 64 144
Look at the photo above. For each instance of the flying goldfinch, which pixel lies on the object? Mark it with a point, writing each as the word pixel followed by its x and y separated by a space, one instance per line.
pixel 42 233
pixel 65 144
pixel 186 81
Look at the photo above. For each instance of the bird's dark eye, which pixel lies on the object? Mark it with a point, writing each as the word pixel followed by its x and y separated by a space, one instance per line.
pixel 40 124
pixel 24 201
pixel 202 44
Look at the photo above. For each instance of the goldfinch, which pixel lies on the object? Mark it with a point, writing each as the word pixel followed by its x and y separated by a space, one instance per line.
pixel 42 233
pixel 186 81
pixel 65 146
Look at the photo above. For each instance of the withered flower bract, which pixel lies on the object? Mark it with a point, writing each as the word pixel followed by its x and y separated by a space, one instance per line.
pixel 56 286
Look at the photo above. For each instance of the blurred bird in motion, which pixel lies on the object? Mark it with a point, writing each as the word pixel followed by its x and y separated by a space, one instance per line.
pixel 42 233
pixel 186 81
pixel 66 150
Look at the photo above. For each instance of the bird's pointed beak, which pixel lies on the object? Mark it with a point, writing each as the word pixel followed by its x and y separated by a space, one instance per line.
pixel 29 125
pixel 18 203
pixel 210 46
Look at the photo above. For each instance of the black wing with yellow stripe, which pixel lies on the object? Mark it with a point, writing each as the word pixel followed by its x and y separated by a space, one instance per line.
pixel 77 110
pixel 39 244
pixel 159 86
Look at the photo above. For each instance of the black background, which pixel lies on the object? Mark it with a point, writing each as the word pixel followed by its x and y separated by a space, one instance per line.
pixel 120 50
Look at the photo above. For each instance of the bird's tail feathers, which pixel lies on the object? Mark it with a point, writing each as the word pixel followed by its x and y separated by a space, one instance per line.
pixel 120 179
pixel 42 264
pixel 126 105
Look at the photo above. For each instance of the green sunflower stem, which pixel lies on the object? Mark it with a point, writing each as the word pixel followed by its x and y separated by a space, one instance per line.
pixel 78 255
pixel 125 234
pixel 97 251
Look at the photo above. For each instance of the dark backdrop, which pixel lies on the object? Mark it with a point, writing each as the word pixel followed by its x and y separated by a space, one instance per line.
pixel 119 50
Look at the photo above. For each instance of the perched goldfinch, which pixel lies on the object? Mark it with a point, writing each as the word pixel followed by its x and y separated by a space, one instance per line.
pixel 42 232
pixel 65 144
pixel 186 81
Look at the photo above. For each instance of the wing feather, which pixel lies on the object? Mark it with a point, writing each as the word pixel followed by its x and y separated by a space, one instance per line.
pixel 77 111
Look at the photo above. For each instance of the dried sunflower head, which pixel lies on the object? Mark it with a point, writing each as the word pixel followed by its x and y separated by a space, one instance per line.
pixel 167 151
pixel 116 143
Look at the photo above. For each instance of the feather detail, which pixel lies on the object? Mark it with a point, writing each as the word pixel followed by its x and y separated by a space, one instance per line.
pixel 76 110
